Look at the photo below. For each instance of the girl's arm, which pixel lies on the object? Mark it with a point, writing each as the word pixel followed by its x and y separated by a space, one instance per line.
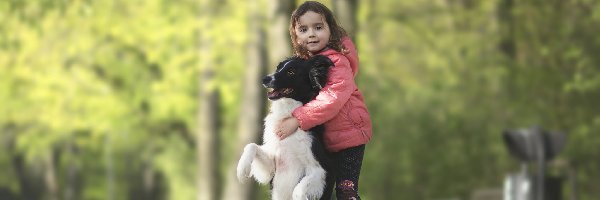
pixel 329 101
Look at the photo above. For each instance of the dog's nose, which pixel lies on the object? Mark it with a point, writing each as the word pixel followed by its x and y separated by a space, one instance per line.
pixel 267 81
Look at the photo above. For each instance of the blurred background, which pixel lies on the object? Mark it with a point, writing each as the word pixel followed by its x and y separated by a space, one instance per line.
pixel 155 99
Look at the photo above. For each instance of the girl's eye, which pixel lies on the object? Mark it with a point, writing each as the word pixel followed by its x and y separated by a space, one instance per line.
pixel 319 27
pixel 302 30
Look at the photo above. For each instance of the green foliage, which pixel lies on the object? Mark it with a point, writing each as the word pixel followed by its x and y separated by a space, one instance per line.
pixel 81 72
pixel 108 90
pixel 448 90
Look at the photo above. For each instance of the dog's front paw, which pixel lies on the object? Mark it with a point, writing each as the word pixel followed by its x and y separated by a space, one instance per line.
pixel 245 164
pixel 243 172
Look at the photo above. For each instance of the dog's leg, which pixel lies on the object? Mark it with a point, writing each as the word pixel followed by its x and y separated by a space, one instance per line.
pixel 255 162
pixel 263 166
pixel 244 165
pixel 285 180
pixel 312 185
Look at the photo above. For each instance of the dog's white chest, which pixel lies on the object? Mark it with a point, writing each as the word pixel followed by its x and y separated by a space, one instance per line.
pixel 280 110
pixel 289 150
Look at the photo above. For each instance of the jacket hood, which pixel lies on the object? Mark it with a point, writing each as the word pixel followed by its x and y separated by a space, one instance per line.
pixel 351 55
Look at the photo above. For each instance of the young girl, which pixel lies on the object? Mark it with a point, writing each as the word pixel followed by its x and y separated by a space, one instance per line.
pixel 339 105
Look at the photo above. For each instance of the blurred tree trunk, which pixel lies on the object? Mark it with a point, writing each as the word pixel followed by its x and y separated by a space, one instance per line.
pixel 50 176
pixel 110 171
pixel 345 13
pixel 73 183
pixel 149 181
pixel 278 33
pixel 252 108
pixel 29 183
pixel 206 137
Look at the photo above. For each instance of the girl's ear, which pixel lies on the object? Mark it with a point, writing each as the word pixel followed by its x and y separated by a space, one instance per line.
pixel 318 72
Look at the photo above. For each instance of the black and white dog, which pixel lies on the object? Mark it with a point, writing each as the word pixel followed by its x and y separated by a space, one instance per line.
pixel 298 166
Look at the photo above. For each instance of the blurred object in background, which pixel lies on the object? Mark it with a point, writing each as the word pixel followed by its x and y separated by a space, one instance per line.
pixel 517 185
pixel 538 146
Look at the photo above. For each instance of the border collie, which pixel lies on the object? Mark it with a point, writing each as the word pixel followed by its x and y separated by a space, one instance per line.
pixel 296 167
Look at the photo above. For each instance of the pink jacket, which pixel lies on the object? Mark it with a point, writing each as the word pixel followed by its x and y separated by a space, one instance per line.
pixel 339 105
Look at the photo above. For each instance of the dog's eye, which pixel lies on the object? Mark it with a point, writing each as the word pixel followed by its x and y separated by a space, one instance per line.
pixel 291 72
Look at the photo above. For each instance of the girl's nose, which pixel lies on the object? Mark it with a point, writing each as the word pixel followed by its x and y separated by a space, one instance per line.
pixel 311 33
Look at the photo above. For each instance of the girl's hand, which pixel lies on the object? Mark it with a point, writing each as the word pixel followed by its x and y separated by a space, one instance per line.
pixel 286 127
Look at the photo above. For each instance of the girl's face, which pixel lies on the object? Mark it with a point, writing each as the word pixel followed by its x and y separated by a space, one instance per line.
pixel 312 32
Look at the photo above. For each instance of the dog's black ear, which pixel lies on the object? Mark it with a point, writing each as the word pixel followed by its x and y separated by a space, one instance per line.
pixel 318 72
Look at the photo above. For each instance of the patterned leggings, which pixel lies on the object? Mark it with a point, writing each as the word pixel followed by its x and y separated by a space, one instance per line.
pixel 348 163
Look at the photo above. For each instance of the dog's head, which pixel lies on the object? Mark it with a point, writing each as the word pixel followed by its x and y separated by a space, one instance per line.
pixel 298 79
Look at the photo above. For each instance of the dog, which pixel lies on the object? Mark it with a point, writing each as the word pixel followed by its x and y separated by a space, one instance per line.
pixel 297 167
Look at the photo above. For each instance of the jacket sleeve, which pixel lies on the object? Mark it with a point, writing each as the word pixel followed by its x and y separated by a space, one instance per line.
pixel 329 101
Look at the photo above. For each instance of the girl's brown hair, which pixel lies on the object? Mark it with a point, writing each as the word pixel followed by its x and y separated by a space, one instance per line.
pixel 337 32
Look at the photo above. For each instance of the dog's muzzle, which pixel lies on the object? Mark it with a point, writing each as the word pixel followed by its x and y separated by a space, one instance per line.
pixel 268 81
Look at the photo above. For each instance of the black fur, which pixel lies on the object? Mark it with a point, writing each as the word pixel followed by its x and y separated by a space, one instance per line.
pixel 302 80
pixel 298 79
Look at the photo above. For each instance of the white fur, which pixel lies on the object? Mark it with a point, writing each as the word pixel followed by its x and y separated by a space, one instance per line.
pixel 289 162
